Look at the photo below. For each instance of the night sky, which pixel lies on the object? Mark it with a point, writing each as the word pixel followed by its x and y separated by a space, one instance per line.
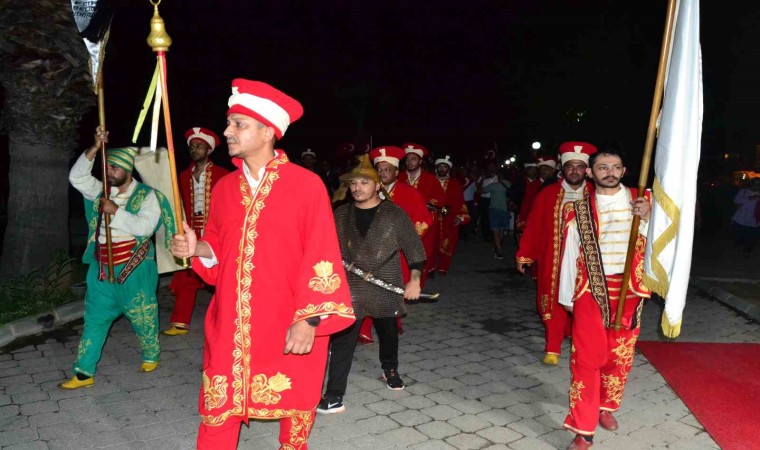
pixel 458 77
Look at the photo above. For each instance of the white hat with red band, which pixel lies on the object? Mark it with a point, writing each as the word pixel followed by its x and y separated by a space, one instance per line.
pixel 547 161
pixel 579 151
pixel 388 153
pixel 446 160
pixel 203 134
pixel 417 149
pixel 264 103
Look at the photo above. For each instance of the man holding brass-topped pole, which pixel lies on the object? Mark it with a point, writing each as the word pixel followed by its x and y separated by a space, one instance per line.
pixel 136 212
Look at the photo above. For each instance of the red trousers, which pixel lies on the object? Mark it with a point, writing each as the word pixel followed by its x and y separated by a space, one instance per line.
pixel 557 325
pixel 294 433
pixel 601 358
pixel 185 285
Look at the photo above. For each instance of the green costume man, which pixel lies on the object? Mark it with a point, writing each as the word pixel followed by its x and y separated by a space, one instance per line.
pixel 137 211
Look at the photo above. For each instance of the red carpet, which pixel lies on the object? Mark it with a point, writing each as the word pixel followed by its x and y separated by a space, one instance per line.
pixel 720 383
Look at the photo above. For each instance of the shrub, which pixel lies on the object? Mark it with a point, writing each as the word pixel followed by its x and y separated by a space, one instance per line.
pixel 38 291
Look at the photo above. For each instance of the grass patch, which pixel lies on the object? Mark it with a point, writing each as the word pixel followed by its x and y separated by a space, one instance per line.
pixel 40 290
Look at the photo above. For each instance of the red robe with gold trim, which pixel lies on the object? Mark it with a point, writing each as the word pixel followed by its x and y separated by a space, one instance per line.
pixel 449 227
pixel 412 202
pixel 541 245
pixel 602 357
pixel 185 283
pixel 213 174
pixel 427 185
pixel 531 191
pixel 278 262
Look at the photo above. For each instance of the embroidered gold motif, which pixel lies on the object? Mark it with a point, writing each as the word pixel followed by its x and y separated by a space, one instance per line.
pixel 267 390
pixel 524 260
pixel 214 391
pixel 624 352
pixel 326 281
pixel 324 308
pixel 242 337
pixel 300 427
pixel 420 227
pixel 613 388
pixel 575 392
pixel 593 258
pixel 84 344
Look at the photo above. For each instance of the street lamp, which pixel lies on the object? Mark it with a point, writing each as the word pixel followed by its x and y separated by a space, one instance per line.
pixel 536 145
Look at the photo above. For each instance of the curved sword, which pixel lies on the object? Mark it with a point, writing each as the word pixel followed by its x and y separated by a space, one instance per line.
pixel 368 277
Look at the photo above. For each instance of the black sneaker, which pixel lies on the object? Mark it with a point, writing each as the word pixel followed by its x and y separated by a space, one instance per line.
pixel 331 405
pixel 393 380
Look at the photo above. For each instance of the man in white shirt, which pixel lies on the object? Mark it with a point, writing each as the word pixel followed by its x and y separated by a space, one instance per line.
pixel 135 214
pixel 595 245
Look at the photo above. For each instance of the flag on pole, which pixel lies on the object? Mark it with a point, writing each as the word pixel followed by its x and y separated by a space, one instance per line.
pixel 93 19
pixel 671 229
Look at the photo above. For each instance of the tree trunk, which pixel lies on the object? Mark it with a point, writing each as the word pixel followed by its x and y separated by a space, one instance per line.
pixel 38 206
pixel 43 70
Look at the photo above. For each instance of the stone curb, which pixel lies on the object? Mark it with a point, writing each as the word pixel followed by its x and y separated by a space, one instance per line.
pixel 738 303
pixel 40 322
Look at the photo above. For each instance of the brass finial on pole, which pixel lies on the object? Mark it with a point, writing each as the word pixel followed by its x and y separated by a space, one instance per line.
pixel 159 41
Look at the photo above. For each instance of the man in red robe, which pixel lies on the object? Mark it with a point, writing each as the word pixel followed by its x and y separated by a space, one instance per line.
pixel 386 160
pixel 595 243
pixel 271 249
pixel 195 184
pixel 456 214
pixel 430 188
pixel 547 168
pixel 541 243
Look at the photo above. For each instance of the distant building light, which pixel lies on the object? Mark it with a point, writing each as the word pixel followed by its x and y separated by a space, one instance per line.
pixel 726 156
pixel 536 145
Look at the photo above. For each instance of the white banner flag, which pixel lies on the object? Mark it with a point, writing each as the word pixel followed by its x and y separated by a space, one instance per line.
pixel 671 229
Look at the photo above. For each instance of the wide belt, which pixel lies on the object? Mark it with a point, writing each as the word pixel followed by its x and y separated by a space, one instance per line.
pixel 121 251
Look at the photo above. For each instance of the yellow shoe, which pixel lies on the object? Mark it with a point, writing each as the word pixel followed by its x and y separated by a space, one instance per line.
pixel 148 366
pixel 76 383
pixel 174 331
pixel 551 359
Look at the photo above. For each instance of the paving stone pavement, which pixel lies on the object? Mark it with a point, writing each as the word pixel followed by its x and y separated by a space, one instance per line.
pixel 471 363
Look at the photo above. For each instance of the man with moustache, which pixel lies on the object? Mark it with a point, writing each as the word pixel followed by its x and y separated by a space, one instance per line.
pixel 195 185
pixel 136 212
pixel 427 185
pixel 541 242
pixel 457 214
pixel 372 233
pixel 596 232
pixel 386 160
pixel 271 250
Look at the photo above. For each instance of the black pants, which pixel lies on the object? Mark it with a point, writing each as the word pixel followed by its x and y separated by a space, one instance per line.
pixel 343 344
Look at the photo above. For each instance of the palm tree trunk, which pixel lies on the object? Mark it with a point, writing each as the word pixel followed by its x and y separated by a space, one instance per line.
pixel 38 205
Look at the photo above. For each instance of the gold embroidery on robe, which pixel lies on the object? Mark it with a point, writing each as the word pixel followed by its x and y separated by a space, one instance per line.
pixel 326 281
pixel 624 352
pixel 300 428
pixel 575 392
pixel 613 387
pixel 324 308
pixel 420 227
pixel 267 390
pixel 214 391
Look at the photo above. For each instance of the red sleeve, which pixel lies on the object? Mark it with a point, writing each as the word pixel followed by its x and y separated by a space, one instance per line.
pixel 531 243
pixel 321 283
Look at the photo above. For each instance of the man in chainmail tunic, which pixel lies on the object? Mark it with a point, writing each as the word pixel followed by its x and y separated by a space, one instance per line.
pixel 372 232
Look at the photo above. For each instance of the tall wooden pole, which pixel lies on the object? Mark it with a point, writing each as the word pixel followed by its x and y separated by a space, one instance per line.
pixel 667 38
pixel 106 190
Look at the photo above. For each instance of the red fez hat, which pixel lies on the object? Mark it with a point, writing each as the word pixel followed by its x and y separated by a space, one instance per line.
pixel 203 134
pixel 417 149
pixel 547 161
pixel 579 151
pixel 264 103
pixel 388 153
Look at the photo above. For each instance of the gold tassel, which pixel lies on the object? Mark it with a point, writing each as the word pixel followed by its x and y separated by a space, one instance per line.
pixel 670 331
